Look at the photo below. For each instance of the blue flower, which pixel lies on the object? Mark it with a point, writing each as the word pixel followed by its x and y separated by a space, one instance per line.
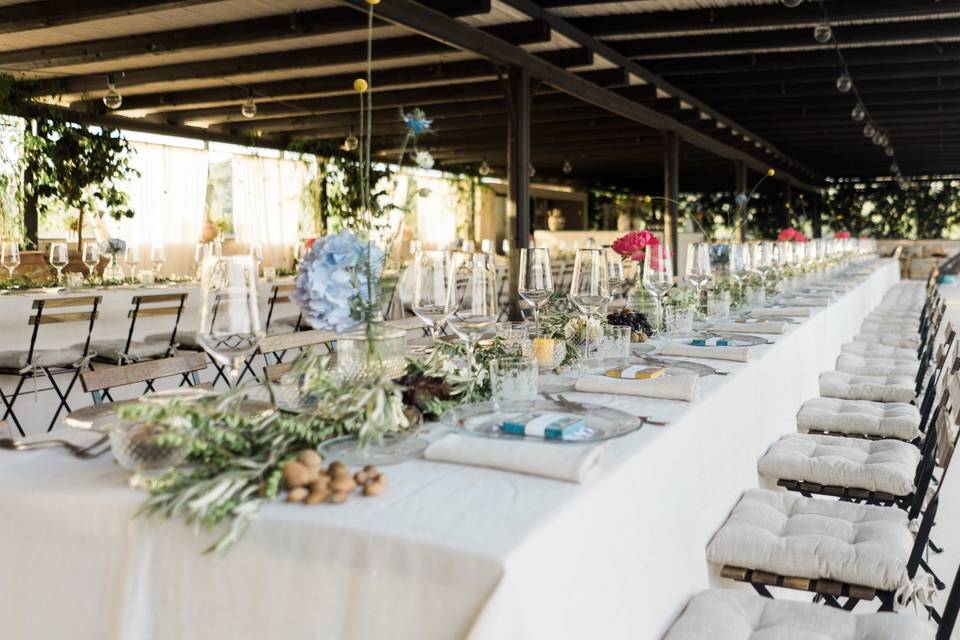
pixel 416 122
pixel 742 199
pixel 332 279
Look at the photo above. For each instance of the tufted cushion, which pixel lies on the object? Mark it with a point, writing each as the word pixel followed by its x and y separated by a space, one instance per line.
pixel 860 417
pixel 112 350
pixel 186 340
pixel 868 350
pixel 847 386
pixel 875 465
pixel 902 315
pixel 890 339
pixel 788 534
pixel 904 327
pixel 728 614
pixel 16 360
pixel 858 365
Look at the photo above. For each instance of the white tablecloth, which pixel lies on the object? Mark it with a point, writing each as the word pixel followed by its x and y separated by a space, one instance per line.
pixel 446 552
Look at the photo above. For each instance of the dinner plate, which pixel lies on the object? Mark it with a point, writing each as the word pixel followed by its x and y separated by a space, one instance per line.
pixel 185 394
pixel 483 419
pixel 393 449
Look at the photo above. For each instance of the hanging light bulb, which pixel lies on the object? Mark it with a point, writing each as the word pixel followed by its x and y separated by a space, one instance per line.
pixel 567 167
pixel 484 169
pixel 894 168
pixel 888 150
pixel 792 4
pixel 112 98
pixel 880 139
pixel 822 33
pixel 858 113
pixel 533 170
pixel 844 83
pixel 350 143
pixel 869 130
pixel 249 108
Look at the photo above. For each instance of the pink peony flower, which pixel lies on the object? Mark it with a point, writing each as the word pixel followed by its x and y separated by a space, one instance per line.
pixel 632 245
pixel 788 235
pixel 800 237
pixel 841 235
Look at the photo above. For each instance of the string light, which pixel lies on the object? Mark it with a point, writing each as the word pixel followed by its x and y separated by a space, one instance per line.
pixel 484 169
pixel 249 108
pixel 532 171
pixel 792 4
pixel 112 99
pixel 858 113
pixel 350 143
pixel 869 130
pixel 844 83
pixel 567 167
pixel 822 33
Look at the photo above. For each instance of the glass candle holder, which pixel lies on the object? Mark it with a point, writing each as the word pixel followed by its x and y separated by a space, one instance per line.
pixel 513 382
pixel 718 304
pixel 679 320
pixel 615 342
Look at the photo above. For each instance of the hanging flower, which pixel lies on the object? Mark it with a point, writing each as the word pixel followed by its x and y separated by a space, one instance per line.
pixel 841 235
pixel 416 122
pixel 332 280
pixel 633 244
pixel 423 159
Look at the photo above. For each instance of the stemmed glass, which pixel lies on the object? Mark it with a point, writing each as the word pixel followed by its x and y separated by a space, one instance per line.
pixel 90 257
pixel 256 252
pixel 132 258
pixel 740 265
pixel 761 260
pixel 615 272
pixel 536 279
pixel 658 275
pixel 59 258
pixel 158 255
pixel 471 299
pixel 590 286
pixel 699 270
pixel 229 318
pixel 10 257
pixel 430 272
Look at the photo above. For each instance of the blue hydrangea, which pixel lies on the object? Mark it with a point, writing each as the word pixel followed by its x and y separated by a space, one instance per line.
pixel 416 122
pixel 113 246
pixel 331 283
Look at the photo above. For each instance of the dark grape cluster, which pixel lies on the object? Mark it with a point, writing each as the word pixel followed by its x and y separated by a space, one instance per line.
pixel 637 322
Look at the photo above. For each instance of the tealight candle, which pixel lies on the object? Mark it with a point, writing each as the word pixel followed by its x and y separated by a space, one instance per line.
pixel 147 278
pixel 548 352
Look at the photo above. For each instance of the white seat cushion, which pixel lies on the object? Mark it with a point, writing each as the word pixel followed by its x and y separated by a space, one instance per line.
pixel 113 350
pixel 891 339
pixel 728 614
pixel 16 360
pixel 186 340
pixel 858 365
pixel 847 386
pixel 905 327
pixel 871 350
pixel 790 535
pixel 860 417
pixel 875 465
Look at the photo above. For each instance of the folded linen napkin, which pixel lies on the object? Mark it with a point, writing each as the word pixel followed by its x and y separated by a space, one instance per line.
pixel 806 301
pixel 683 387
pixel 767 326
pixel 736 354
pixel 569 462
pixel 782 312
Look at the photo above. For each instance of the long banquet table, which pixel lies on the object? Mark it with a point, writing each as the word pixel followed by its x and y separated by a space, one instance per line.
pixel 447 552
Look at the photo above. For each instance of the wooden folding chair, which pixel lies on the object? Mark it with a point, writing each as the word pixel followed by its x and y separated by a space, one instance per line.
pixel 33 362
pixel 98 383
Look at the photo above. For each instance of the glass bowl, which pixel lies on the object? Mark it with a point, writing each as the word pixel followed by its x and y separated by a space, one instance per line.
pixel 148 450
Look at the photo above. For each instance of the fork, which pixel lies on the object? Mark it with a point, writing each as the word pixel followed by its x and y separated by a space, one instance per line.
pixel 577 406
pixel 80 452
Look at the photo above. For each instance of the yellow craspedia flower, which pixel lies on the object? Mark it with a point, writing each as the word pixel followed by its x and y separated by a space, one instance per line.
pixel 360 85
pixel 373 2
pixel 771 172
pixel 647 199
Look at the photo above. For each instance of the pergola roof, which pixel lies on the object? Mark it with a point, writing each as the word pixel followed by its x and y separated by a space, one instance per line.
pixel 737 80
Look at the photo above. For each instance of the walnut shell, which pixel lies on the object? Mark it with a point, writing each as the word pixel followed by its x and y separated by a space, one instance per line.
pixel 296 475
pixel 361 477
pixel 373 488
pixel 338 470
pixel 320 484
pixel 310 458
pixel 345 485
pixel 316 497
pixel 339 497
pixel 297 495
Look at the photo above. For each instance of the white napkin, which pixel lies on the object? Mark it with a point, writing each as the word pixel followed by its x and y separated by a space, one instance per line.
pixel 806 301
pixel 736 354
pixel 570 462
pixel 685 387
pixel 767 326
pixel 782 312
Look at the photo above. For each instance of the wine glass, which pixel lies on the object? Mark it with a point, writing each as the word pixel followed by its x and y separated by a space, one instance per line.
pixel 91 256
pixel 471 306
pixel 536 279
pixel 132 257
pixel 10 257
pixel 256 252
pixel 158 255
pixel 229 319
pixel 698 270
pixel 590 286
pixel 658 274
pixel 430 272
pixel 59 258
pixel 615 272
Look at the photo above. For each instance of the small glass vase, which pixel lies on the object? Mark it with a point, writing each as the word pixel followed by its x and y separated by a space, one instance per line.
pixel 113 273
pixel 642 301
pixel 370 351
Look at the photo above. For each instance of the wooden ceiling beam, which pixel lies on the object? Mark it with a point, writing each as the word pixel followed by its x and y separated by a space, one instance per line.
pixel 529 32
pixel 46 14
pixel 819 75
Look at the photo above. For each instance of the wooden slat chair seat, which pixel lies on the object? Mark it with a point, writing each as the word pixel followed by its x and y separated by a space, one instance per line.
pixel 98 383
pixel 33 362
pixel 300 340
pixel 158 345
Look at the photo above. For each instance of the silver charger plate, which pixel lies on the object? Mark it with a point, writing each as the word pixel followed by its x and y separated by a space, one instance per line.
pixel 482 419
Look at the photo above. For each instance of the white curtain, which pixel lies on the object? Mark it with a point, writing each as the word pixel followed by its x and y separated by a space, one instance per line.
pixel 169 198
pixel 267 198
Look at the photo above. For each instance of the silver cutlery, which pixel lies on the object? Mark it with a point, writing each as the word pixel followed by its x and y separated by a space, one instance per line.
pixel 702 369
pixel 89 451
pixel 577 406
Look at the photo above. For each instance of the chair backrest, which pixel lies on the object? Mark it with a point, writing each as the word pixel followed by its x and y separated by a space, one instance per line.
pixel 90 306
pixel 948 618
pixel 279 294
pixel 274 372
pixel 96 382
pixel 937 379
pixel 299 340
pixel 156 305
